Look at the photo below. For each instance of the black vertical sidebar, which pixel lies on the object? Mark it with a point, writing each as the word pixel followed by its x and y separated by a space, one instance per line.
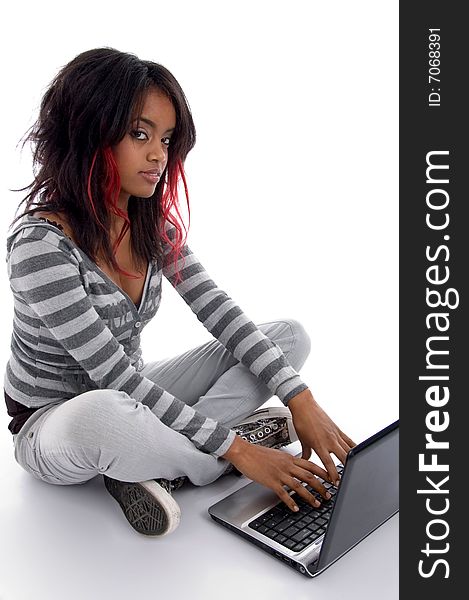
pixel 434 234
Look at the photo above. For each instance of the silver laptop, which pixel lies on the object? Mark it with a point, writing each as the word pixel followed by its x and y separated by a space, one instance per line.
pixel 312 539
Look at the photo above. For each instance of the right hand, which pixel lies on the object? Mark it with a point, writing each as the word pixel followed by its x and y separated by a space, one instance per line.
pixel 275 469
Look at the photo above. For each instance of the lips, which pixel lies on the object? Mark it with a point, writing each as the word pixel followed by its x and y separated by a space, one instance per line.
pixel 152 172
pixel 152 176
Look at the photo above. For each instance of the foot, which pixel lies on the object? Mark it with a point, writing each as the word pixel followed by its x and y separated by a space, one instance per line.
pixel 271 427
pixel 147 505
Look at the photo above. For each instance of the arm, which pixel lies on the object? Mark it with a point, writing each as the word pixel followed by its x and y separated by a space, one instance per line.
pixel 225 320
pixel 46 276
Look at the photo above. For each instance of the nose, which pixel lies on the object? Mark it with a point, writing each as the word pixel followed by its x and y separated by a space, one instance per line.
pixel 157 152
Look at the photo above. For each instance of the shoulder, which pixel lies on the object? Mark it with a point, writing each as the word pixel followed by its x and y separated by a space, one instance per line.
pixel 32 242
pixel 57 219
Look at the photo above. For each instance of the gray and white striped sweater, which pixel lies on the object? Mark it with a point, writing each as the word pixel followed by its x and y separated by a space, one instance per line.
pixel 75 330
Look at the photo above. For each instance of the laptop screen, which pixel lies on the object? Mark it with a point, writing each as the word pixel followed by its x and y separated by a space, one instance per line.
pixel 368 496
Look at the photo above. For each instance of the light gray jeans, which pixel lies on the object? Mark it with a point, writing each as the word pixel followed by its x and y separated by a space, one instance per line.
pixel 107 432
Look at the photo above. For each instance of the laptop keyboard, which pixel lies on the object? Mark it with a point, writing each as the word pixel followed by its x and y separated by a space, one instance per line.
pixel 297 530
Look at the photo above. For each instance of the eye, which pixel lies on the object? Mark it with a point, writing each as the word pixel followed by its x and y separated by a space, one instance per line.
pixel 168 139
pixel 138 132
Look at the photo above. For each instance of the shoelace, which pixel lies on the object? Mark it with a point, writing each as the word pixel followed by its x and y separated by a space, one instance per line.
pixel 257 431
pixel 173 484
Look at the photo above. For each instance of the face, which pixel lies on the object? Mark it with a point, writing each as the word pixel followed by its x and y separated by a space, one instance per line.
pixel 142 154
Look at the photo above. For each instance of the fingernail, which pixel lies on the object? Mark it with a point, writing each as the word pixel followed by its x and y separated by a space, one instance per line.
pixel 317 503
pixel 337 483
pixel 328 496
pixel 295 508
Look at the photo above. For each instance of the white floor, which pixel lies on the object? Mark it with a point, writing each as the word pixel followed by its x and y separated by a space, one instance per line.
pixel 73 543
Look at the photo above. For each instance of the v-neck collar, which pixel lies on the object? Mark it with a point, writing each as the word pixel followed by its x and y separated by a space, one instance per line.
pixel 105 276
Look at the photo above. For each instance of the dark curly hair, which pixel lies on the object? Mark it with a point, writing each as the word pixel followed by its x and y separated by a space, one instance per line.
pixel 87 109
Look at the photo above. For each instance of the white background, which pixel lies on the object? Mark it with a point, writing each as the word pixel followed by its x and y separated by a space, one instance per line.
pixel 294 213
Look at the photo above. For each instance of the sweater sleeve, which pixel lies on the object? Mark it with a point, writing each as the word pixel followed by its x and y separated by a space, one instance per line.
pixel 225 320
pixel 46 276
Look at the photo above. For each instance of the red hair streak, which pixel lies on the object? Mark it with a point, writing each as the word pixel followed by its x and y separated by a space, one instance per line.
pixel 90 195
pixel 170 199
pixel 112 186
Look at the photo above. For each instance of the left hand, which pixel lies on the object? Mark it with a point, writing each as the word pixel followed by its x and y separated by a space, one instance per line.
pixel 317 431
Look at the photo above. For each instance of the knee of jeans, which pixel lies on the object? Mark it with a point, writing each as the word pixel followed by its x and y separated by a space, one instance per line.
pixel 302 342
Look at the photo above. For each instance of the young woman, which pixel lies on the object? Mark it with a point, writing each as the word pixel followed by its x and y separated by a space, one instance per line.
pixel 85 262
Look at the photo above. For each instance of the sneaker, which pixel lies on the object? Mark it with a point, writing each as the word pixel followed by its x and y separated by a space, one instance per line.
pixel 271 427
pixel 170 485
pixel 147 505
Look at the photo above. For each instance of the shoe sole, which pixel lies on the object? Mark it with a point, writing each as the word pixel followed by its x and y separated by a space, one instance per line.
pixel 272 413
pixel 148 507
